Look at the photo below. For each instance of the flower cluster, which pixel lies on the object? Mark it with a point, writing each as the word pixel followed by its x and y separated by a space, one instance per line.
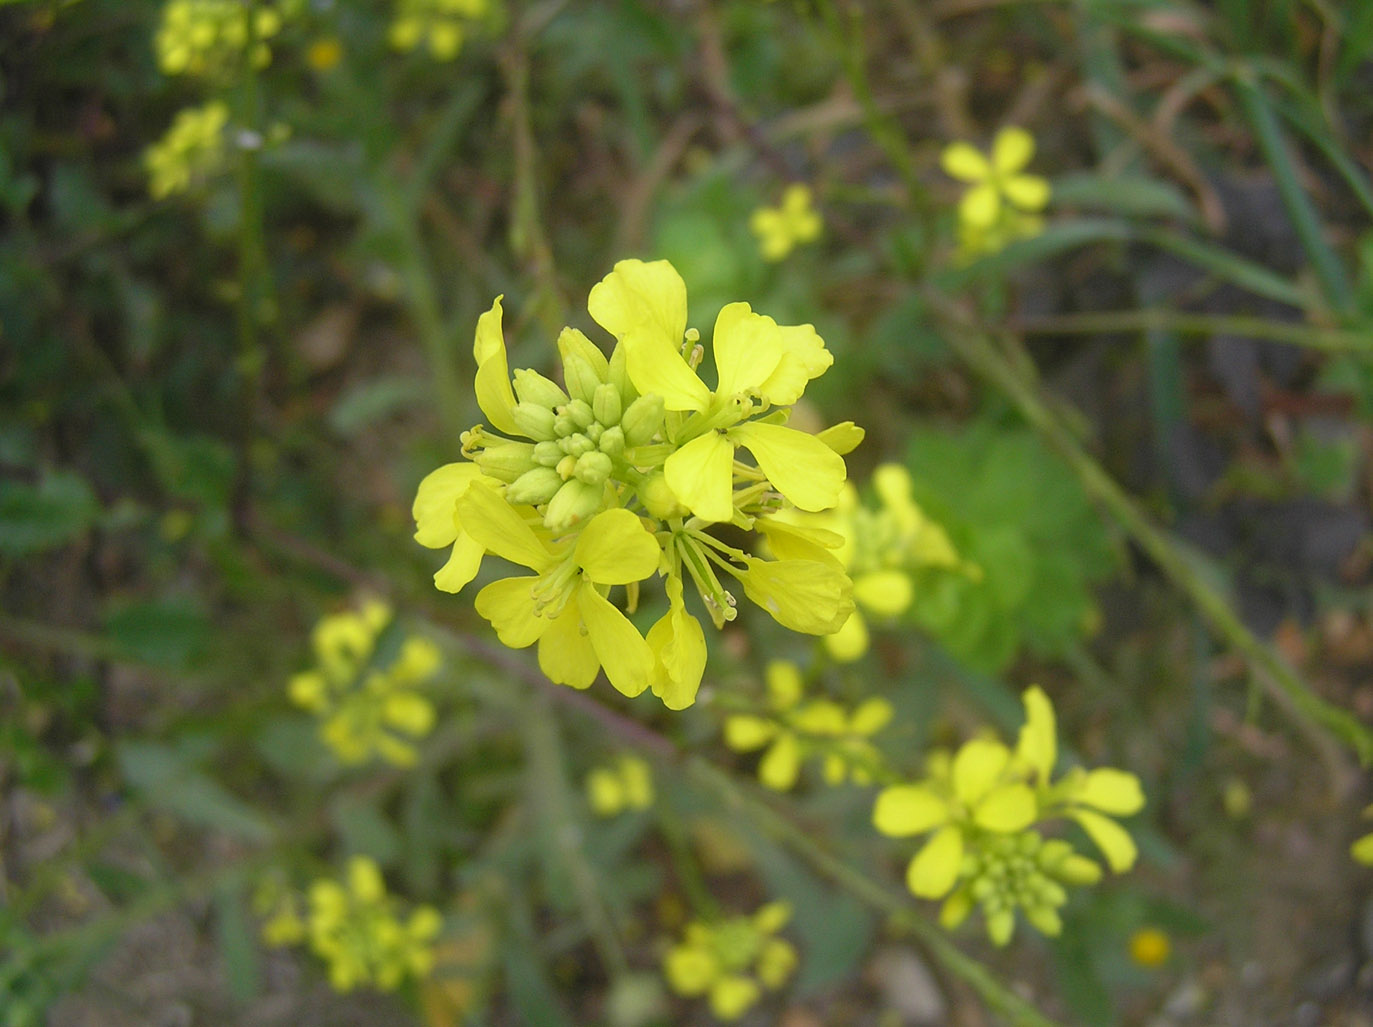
pixel 367 707
pixel 795 730
pixel 440 24
pixel 620 473
pixel 189 152
pixel 206 38
pixel 627 784
pixel 732 960
pixel 357 928
pixel 1002 204
pixel 882 549
pixel 983 803
pixel 781 229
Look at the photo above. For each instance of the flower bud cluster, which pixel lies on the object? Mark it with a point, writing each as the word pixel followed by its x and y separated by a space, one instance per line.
pixel 731 961
pixel 206 38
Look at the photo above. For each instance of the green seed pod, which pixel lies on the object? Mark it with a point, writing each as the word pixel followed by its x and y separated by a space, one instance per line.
pixel 642 420
pixel 580 377
pixel 533 387
pixel 593 468
pixel 535 422
pixel 612 441
pixel 534 487
pixel 548 453
pixel 659 499
pixel 575 502
pixel 606 404
pixel 506 461
pixel 580 411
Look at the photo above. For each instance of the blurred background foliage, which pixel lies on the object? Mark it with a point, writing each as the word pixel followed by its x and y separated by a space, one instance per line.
pixel 1146 425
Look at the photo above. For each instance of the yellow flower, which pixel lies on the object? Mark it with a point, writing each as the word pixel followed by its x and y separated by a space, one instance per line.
pixel 780 229
pixel 627 784
pixel 732 961
pixel 440 24
pixel 207 37
pixel 324 54
pixel 1362 849
pixel 796 730
pixel 191 151
pixel 1150 948
pixel 280 910
pixel 981 804
pixel 367 710
pixel 1002 203
pixel 356 929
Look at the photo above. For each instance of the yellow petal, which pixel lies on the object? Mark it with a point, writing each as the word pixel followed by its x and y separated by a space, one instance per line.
pixel 789 541
pixel 636 292
pixel 364 880
pixel 820 718
pixel 1113 840
pixel 1028 192
pixel 656 366
pixel 494 395
pixel 509 606
pixel 494 523
pixel 462 566
pixel 977 767
pixel 1362 850
pixel 408 712
pixel 637 780
pixel 1111 791
pixel 747 348
pixel 850 642
pixel 679 649
pixel 892 483
pixel 772 917
pixel 1012 149
pixel 781 763
pixel 1007 809
pixel 604 792
pixel 1000 926
pixel 903 810
pixel 627 659
pixel 690 969
pixel 842 438
pixel 615 548
pixel 784 684
pixel 802 468
pixel 886 593
pixel 776 962
pixel 935 869
pixel 566 655
pixel 804 595
pixel 701 476
pixel 731 997
pixel 744 733
pixel 436 503
pixel 803 357
pixel 980 206
pixel 963 162
pixel 571 342
pixel 1038 743
pixel 871 716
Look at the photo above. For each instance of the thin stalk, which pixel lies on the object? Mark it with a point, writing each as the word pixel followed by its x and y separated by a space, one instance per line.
pixel 1331 340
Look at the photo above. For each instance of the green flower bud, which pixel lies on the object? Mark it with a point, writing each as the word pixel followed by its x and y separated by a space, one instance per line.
pixel 593 468
pixel 535 422
pixel 575 502
pixel 566 466
pixel 563 426
pixel 534 487
pixel 548 453
pixel 506 461
pixel 619 376
pixel 642 420
pixel 580 377
pixel 659 499
pixel 612 441
pixel 606 404
pixel 595 432
pixel 580 411
pixel 533 387
pixel 576 444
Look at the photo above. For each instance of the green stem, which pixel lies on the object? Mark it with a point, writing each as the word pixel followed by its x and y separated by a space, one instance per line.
pixel 1333 340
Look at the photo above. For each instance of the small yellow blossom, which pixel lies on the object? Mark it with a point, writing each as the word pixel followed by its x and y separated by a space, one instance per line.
pixel 356 928
pixel 366 709
pixel 206 38
pixel 440 24
pixel 1362 849
pixel 190 152
pixel 280 910
pixel 732 961
pixel 982 803
pixel 1150 947
pixel 796 730
pixel 793 222
pixel 627 784
pixel 324 54
pixel 1003 203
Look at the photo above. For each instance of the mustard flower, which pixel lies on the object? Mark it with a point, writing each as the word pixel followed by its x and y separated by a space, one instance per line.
pixel 439 24
pixel 190 151
pixel 280 908
pixel 982 804
pixel 1003 203
pixel 792 222
pixel 1150 948
pixel 627 784
pixel 357 929
pixel 365 709
pixel 206 38
pixel 795 730
pixel 617 475
pixel 1362 849
pixel 732 961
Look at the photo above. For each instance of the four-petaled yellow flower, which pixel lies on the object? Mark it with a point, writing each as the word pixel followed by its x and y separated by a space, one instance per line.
pixel 1003 203
pixel 796 730
pixel 782 228
pixel 627 784
pixel 982 804
pixel 189 152
pixel 732 961
pixel 440 24
pixel 356 928
pixel 207 38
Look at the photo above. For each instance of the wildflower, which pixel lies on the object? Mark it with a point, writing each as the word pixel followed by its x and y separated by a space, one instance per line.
pixel 206 38
pixel 795 730
pixel 280 910
pixel 191 151
pixel 627 784
pixel 732 961
pixel 356 928
pixel 440 24
pixel 1150 948
pixel 1003 203
pixel 324 54
pixel 617 474
pixel 792 222
pixel 982 803
pixel 365 709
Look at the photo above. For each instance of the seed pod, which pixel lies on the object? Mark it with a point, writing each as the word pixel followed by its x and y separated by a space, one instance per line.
pixel 534 487
pixel 506 461
pixel 642 420
pixel 535 422
pixel 575 502
pixel 606 404
pixel 533 387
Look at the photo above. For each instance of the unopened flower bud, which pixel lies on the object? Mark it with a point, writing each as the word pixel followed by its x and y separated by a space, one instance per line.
pixel 580 377
pixel 659 499
pixel 566 466
pixel 563 426
pixel 535 422
pixel 534 487
pixel 548 453
pixel 575 502
pixel 606 404
pixel 506 461
pixel 595 431
pixel 642 420
pixel 593 468
pixel 612 441
pixel 576 444
pixel 533 387
pixel 580 411
pixel 619 376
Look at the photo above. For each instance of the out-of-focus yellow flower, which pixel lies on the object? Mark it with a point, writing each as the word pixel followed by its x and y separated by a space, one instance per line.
pixel 324 54
pixel 357 929
pixel 732 961
pixel 982 804
pixel 627 784
pixel 280 910
pixel 191 151
pixel 792 222
pixel 206 38
pixel 1150 947
pixel 439 24
pixel 796 730
pixel 1362 849
pixel 364 709
pixel 1002 203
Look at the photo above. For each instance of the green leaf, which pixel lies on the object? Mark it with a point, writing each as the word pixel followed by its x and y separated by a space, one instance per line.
pixel 364 830
pixel 237 944
pixel 34 518
pixel 1127 195
pixel 168 632
pixel 168 778
pixel 370 402
pixel 527 982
